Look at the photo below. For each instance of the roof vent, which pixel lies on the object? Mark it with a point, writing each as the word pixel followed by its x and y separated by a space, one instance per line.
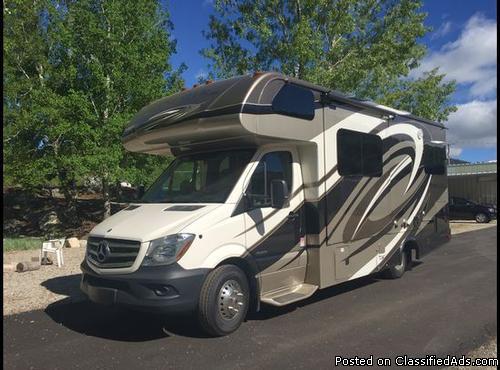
pixel 183 208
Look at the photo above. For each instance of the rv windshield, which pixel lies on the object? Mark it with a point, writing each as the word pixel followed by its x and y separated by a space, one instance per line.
pixel 199 178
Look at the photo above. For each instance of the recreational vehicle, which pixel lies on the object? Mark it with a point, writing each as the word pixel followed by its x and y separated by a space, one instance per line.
pixel 278 188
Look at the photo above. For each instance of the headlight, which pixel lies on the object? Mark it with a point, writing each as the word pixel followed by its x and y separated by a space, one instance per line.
pixel 492 210
pixel 167 250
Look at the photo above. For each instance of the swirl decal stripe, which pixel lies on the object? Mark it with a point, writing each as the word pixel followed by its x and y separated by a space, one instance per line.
pixel 368 268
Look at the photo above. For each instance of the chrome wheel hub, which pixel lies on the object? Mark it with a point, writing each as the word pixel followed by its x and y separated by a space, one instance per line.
pixel 231 300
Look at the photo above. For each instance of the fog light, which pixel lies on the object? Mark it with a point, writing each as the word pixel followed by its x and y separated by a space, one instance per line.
pixel 164 290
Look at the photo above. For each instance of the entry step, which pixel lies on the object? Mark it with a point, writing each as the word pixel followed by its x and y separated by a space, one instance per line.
pixel 289 295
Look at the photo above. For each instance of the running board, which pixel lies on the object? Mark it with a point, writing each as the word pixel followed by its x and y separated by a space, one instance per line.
pixel 289 295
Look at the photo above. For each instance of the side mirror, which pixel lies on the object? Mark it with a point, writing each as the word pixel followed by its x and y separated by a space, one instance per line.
pixel 279 194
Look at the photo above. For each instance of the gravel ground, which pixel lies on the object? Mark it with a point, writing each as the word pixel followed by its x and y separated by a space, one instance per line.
pixel 26 291
pixel 487 350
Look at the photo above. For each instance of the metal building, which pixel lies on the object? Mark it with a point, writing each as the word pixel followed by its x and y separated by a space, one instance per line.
pixel 473 181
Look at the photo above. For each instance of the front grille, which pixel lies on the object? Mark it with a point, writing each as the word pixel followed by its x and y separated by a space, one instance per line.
pixel 122 253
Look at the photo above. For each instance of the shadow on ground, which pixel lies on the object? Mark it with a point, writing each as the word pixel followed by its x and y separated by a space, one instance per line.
pixel 65 285
pixel 122 324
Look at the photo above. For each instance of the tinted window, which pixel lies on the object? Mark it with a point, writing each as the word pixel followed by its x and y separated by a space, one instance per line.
pixel 273 166
pixel 372 155
pixel 434 160
pixel 359 154
pixel 459 201
pixel 295 101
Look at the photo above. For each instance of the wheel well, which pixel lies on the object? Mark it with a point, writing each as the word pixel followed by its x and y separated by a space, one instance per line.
pixel 251 274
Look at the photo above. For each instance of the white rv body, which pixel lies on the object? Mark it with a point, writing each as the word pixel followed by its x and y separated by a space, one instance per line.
pixel 339 220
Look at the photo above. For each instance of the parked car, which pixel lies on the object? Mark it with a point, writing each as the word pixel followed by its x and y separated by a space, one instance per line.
pixel 463 209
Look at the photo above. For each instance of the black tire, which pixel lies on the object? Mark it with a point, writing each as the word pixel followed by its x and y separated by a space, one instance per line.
pixel 224 287
pixel 398 265
pixel 482 218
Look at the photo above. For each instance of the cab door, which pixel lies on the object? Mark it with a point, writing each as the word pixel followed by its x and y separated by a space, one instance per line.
pixel 274 236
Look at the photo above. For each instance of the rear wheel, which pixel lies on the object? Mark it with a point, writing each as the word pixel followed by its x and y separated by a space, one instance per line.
pixel 482 218
pixel 224 300
pixel 397 266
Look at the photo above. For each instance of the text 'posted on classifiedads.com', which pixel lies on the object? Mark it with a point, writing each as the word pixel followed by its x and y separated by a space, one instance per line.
pixel 409 361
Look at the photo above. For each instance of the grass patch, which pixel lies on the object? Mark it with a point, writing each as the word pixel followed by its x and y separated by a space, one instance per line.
pixel 21 244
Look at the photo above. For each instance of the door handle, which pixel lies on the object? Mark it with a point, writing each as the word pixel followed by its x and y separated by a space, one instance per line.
pixel 292 215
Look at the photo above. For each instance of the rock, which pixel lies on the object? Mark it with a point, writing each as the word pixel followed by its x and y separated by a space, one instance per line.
pixel 72 243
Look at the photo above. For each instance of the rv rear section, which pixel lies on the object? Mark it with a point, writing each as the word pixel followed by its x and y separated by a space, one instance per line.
pixel 278 188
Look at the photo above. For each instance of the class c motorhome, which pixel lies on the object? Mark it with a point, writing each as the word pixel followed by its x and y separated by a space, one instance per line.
pixel 278 188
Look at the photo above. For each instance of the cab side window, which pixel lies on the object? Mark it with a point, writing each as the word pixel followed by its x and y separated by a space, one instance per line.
pixel 273 166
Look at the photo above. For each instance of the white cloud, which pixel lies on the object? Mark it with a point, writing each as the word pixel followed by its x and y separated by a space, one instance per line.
pixel 473 125
pixel 455 151
pixel 443 30
pixel 471 59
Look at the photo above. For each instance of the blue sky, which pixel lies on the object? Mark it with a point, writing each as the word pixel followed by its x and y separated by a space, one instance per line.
pixel 462 44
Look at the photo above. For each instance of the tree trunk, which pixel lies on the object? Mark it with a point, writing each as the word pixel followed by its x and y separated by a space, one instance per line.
pixel 70 214
pixel 106 198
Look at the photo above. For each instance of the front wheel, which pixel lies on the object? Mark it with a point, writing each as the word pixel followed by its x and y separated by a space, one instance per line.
pixel 224 300
pixel 482 218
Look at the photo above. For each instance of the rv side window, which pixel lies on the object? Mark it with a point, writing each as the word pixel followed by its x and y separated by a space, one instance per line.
pixel 434 160
pixel 273 166
pixel 359 154
pixel 294 101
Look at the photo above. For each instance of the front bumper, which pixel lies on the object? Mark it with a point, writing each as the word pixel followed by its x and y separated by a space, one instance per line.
pixel 161 289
